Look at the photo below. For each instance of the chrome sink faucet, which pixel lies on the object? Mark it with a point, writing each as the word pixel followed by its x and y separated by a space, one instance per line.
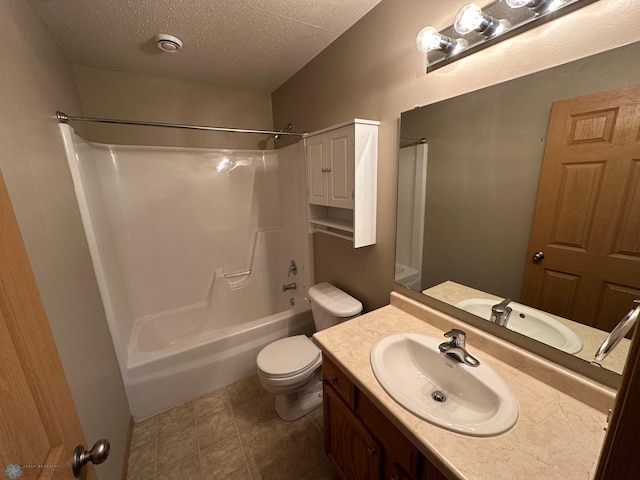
pixel 617 334
pixel 456 348
pixel 501 312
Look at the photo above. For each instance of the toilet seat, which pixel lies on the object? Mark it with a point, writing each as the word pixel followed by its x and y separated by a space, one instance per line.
pixel 288 357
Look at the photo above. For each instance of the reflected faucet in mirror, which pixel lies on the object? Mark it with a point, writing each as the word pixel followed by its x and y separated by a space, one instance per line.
pixel 617 334
pixel 501 312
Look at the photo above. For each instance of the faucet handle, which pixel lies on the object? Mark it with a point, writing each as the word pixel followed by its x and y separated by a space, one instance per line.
pixel 502 307
pixel 457 336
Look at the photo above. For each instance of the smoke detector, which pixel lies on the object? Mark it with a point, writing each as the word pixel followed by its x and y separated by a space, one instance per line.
pixel 168 43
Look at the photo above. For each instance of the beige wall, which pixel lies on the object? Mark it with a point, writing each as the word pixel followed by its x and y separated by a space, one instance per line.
pixel 374 71
pixel 112 94
pixel 36 80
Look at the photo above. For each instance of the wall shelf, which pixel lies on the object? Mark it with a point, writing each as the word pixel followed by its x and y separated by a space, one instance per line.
pixel 333 223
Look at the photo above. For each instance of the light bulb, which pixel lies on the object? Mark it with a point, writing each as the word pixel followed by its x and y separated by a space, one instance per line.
pixel 468 19
pixel 555 4
pixel 538 6
pixel 518 3
pixel 428 39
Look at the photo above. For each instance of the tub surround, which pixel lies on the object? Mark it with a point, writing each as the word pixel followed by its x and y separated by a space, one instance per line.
pixel 452 293
pixel 560 428
pixel 190 300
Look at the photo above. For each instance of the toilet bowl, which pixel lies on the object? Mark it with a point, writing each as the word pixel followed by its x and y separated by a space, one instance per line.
pixel 291 367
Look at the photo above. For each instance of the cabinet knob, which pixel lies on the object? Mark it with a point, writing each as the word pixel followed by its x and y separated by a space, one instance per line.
pixel 371 451
pixel 333 379
pixel 328 169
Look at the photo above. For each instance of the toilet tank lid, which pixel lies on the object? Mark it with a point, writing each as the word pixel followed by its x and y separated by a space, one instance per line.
pixel 334 300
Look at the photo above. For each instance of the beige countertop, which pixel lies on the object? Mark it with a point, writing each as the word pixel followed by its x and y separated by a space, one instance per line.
pixel 452 293
pixel 556 435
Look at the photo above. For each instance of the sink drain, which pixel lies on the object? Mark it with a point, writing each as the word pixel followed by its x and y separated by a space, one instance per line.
pixel 438 396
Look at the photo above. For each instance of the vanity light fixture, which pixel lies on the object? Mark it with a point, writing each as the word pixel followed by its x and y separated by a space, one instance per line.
pixel 476 28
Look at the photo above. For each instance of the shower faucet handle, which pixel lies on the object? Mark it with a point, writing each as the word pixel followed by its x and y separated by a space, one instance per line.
pixel 292 268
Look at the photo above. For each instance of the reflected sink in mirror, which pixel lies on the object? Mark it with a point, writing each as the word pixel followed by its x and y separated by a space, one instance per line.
pixel 469 400
pixel 530 322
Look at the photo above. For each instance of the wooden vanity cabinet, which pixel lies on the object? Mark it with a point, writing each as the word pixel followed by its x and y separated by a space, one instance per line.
pixel 360 441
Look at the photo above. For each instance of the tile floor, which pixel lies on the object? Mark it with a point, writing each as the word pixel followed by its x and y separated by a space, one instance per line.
pixel 233 433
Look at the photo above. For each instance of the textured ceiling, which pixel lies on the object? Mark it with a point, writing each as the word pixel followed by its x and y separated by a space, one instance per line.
pixel 252 44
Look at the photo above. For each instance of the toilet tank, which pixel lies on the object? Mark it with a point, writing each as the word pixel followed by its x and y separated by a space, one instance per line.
pixel 330 305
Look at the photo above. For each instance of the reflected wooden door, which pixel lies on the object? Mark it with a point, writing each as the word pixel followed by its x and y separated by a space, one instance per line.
pixel 587 219
pixel 39 425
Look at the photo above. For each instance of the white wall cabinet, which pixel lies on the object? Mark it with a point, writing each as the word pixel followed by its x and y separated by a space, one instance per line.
pixel 342 163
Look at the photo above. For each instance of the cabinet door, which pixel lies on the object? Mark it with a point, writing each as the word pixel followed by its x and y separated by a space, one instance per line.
pixel 398 450
pixel 316 170
pixel 392 470
pixel 430 472
pixel 340 162
pixel 347 443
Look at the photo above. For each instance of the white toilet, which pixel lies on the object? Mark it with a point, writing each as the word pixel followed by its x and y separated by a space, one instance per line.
pixel 291 367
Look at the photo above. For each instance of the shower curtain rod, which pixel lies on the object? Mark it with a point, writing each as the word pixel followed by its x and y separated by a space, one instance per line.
pixel 64 118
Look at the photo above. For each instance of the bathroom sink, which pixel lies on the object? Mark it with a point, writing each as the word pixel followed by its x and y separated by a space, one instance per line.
pixel 530 322
pixel 435 387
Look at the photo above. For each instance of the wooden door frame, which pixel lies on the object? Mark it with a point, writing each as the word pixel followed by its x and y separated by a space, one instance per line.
pixel 29 334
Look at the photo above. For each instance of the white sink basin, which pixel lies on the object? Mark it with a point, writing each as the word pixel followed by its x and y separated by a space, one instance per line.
pixel 530 322
pixel 415 374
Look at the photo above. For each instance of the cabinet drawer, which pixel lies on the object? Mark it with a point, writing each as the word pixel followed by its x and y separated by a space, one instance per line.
pixel 333 376
pixel 393 441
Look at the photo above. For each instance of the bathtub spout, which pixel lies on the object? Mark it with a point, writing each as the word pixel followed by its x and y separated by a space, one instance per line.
pixel 288 286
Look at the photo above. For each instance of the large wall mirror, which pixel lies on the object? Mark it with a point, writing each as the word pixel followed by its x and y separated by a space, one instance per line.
pixel 499 197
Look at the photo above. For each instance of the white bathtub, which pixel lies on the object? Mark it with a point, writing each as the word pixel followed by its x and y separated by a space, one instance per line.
pixel 160 379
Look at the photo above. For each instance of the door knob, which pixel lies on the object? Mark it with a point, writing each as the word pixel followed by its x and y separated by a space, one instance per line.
pixel 538 257
pixel 98 454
